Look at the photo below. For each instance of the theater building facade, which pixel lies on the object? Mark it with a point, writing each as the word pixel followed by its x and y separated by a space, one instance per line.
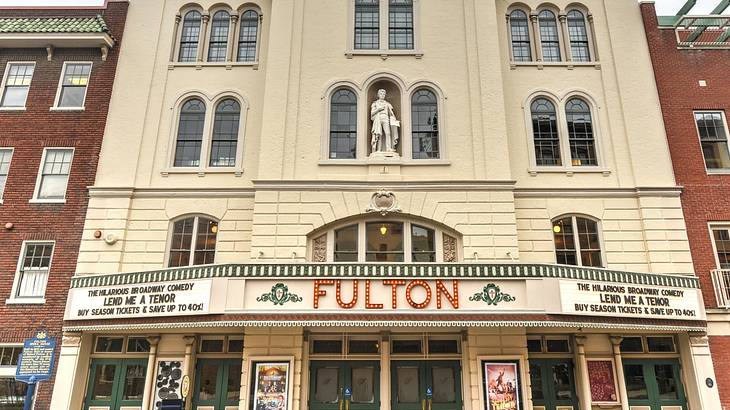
pixel 385 204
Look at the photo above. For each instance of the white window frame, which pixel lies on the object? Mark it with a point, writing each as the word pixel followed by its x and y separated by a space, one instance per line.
pixel 170 230
pixel 8 372
pixel 39 177
pixel 712 226
pixel 14 299
pixel 576 238
pixel 60 87
pixel 2 189
pixel 384 50
pixel 3 84
pixel 699 139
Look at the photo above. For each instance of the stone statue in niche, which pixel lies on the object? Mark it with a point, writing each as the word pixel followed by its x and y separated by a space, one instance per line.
pixel 385 127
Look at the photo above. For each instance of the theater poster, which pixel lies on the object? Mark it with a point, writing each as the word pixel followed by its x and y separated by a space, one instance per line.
pixel 502 385
pixel 272 381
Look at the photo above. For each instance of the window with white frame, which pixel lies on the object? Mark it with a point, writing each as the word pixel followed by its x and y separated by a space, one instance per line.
pixel 190 133
pixel 577 241
pixel 721 241
pixel 54 174
pixel 580 133
pixel 399 30
pixel 12 392
pixel 33 270
pixel 73 86
pixel 546 138
pixel 16 84
pixel 193 241
pixel 713 132
pixel 6 154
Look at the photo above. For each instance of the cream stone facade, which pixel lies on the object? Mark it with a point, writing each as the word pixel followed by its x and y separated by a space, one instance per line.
pixel 491 210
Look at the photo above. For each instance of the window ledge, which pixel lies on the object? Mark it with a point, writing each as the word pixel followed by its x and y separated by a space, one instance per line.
pixel 12 108
pixel 201 172
pixel 25 301
pixel 67 109
pixel 566 64
pixel 228 65
pixel 47 201
pixel 384 54
pixel 719 171
pixel 400 161
pixel 568 171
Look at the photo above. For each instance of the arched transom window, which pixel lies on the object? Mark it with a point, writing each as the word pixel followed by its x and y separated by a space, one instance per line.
pixel 192 241
pixel 577 241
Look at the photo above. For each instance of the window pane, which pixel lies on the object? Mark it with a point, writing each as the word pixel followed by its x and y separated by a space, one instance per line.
pixel 557 345
pixel 190 134
pixel 590 245
pixel 346 244
pixel 225 134
pixel 545 133
pixel 14 96
pixel 406 347
pixel 445 346
pixel 408 386
pixel 211 346
pixel 664 344
pixel 182 236
pixel 134 382
pixel 565 251
pixel 534 345
pixel 425 128
pixel 189 37
pixel 343 125
pixel 444 384
pixel 109 344
pixel 363 347
pixel 208 381
pixel 400 24
pixel 580 133
pixel 218 45
pixel 103 384
pixel 384 242
pixel 632 345
pixel 248 36
pixel 536 382
pixel 205 242
pixel 327 347
pixel 578 36
pixel 722 243
pixel 138 345
pixel 711 128
pixel 12 393
pixel 635 383
pixel 34 270
pixel 72 96
pixel 519 28
pixel 549 36
pixel 666 383
pixel 73 86
pixel 363 383
pixel 562 381
pixel 326 384
pixel 235 345
pixel 367 24
pixel 233 391
pixel 55 173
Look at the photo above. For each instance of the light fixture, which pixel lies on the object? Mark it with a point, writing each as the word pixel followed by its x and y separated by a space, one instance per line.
pixel 214 228
pixel 557 228
pixel 383 230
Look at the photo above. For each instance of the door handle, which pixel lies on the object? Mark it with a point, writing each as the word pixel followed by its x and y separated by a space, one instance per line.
pixel 430 401
pixel 423 404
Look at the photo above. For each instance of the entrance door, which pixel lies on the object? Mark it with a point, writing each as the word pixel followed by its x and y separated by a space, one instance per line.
pixel 329 380
pixel 654 384
pixel 116 383
pixel 426 385
pixel 553 384
pixel 217 384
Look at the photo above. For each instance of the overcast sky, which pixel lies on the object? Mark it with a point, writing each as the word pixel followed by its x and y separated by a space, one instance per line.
pixel 664 7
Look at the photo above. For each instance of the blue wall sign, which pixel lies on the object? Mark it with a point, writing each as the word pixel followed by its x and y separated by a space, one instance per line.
pixel 36 361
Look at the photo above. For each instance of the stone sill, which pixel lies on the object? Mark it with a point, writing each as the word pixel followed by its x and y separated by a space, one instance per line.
pixel 400 162
pixel 540 65
pixel 568 171
pixel 201 172
pixel 228 65
pixel 384 54
pixel 25 301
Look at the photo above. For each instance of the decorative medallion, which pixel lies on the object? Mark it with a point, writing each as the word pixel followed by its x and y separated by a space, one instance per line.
pixel 383 202
pixel 492 295
pixel 279 295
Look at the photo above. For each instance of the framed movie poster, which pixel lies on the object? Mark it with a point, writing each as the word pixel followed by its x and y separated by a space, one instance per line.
pixel 502 385
pixel 602 378
pixel 271 381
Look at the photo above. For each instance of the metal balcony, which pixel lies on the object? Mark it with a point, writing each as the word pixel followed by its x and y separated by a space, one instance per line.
pixel 721 281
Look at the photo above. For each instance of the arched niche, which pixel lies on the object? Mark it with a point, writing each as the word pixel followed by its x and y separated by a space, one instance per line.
pixel 394 97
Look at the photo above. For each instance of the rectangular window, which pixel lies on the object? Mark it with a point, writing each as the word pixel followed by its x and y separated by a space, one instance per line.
pixel 5 155
pixel 721 237
pixel 74 82
pixel 400 24
pixel 35 263
pixel 54 174
pixel 367 24
pixel 712 129
pixel 105 344
pixel 327 346
pixel 9 355
pixel 16 84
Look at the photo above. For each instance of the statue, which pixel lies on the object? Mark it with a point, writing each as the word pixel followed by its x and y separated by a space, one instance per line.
pixel 385 126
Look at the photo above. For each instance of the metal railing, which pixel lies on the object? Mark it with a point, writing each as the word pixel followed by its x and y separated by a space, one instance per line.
pixel 721 281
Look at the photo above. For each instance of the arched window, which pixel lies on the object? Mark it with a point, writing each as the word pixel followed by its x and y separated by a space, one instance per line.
pixel 343 124
pixel 520 31
pixel 425 127
pixel 578 36
pixel 190 36
pixel 190 133
pixel 218 45
pixel 192 241
pixel 248 36
pixel 577 241
pixel 545 133
pixel 549 37
pixel 225 133
pixel 580 133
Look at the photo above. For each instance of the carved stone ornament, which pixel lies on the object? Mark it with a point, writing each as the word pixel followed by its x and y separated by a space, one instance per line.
pixel 383 202
pixel 449 248
pixel 319 253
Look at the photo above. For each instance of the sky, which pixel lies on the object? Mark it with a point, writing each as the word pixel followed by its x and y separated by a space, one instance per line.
pixel 664 7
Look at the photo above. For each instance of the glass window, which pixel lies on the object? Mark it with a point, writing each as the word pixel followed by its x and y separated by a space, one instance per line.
pixel 536 382
pixel 577 242
pixel 443 346
pixel 34 268
pixel 225 133
pixel 5 156
pixel 423 244
pixel 534 345
pixel 208 380
pixel 632 345
pixel 666 382
pixel 408 384
pixel 55 173
pixel 235 345
pixel 635 382
pixel 443 380
pixel 109 344
pixel 580 133
pixel 190 134
pixel 233 388
pixel 346 249
pixel 406 347
pixel 578 36
pixel 248 36
pixel 17 84
pixel 545 133
pixel 425 125
pixel 74 84
pixel 134 382
pixel 211 346
pixel 713 137
pixel 722 245
pixel 557 345
pixel 660 344
pixel 9 355
pixel 563 381
pixel 138 345
pixel 400 24
pixel 325 390
pixel 520 31
pixel 12 394
pixel 184 251
pixel 218 44
pixel 189 37
pixel 363 389
pixel 367 24
pixel 323 346
pixel 343 125
pixel 549 37
pixel 103 384
pixel 363 346
pixel 384 242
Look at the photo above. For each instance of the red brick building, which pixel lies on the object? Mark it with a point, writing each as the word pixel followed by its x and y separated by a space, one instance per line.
pixel 691 58
pixel 57 68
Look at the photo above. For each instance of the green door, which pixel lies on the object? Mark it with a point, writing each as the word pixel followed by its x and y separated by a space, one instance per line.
pixel 116 383
pixel 217 383
pixel 329 380
pixel 426 385
pixel 654 383
pixel 553 383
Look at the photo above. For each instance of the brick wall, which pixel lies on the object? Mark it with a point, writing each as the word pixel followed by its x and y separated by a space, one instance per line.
pixel 720 349
pixel 28 132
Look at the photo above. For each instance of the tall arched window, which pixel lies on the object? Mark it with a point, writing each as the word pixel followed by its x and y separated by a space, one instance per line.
pixel 578 36
pixel 248 36
pixel 520 31
pixel 549 37
pixel 580 133
pixel 545 133
pixel 424 122
pixel 343 124
pixel 225 133
pixel 218 44
pixel 577 241
pixel 192 241
pixel 190 36
pixel 190 133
